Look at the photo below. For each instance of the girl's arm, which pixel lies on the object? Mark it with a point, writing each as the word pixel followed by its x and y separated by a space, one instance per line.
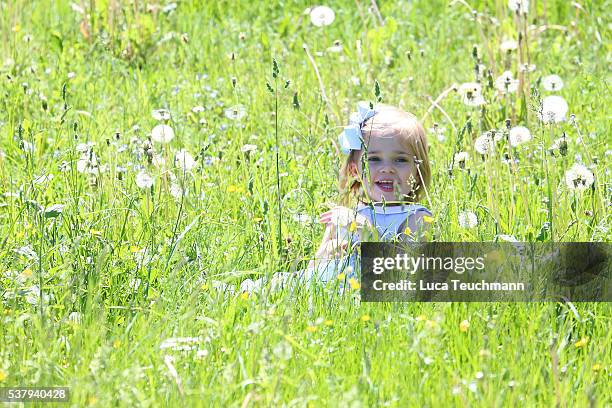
pixel 334 245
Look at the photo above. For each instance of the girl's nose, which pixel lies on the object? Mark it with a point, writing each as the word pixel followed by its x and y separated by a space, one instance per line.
pixel 387 168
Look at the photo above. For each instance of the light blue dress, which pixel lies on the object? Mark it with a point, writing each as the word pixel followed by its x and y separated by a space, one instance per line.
pixel 388 221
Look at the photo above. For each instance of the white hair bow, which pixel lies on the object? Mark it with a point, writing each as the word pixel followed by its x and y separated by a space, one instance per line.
pixel 350 138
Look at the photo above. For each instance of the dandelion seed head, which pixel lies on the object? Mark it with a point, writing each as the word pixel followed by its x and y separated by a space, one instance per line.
pixel 508 46
pixel 552 83
pixel 484 143
pixel 579 177
pixel 184 160
pixel 460 159
pixel 322 16
pixel 519 135
pixel 144 180
pixel 554 109
pixel 162 134
pixel 506 83
pixel 235 112
pixel 467 219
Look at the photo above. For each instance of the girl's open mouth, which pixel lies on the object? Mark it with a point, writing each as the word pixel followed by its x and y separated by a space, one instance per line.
pixel 385 185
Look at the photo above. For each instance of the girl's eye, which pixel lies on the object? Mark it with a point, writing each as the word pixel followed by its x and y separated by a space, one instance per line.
pixel 402 160
pixel 373 159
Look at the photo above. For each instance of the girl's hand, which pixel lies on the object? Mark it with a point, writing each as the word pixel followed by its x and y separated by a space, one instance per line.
pixel 331 246
pixel 343 217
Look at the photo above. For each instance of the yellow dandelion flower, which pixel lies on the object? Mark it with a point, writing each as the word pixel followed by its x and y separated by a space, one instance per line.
pixel 428 219
pixel 311 329
pixel 408 231
pixel 16 28
pixel 582 342
pixel 232 188
pixel 95 233
pixel 365 318
pixel 328 322
pixel 354 284
pixel 134 249
pixel 353 227
pixel 116 344
pixel 3 375
pixel 431 324
pixel 421 318
pixel 27 273
pixel 205 286
pixel 92 400
pixel 596 367
pixel 244 295
pixel 341 276
pixel 464 325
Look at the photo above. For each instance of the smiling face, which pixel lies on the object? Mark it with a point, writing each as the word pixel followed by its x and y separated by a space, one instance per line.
pixel 392 171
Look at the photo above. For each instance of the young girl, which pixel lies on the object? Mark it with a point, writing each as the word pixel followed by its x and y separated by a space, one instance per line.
pixel 386 172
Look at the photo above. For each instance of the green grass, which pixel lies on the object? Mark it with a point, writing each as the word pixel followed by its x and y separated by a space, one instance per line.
pixel 315 347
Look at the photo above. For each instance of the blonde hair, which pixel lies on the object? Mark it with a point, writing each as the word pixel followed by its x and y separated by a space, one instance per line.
pixel 389 120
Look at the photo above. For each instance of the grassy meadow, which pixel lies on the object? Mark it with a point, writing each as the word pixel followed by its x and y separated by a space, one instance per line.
pixel 155 154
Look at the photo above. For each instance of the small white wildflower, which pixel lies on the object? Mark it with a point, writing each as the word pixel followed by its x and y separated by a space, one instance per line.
pixel 467 219
pixel 506 83
pixel 554 109
pixel 71 75
pixel 322 16
pixel 552 82
pixel 162 134
pixel 161 114
pixel 578 177
pixel 144 180
pixel 248 148
pixel 355 81
pixel 519 135
pixel 472 386
pixel 198 109
pixel 484 143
